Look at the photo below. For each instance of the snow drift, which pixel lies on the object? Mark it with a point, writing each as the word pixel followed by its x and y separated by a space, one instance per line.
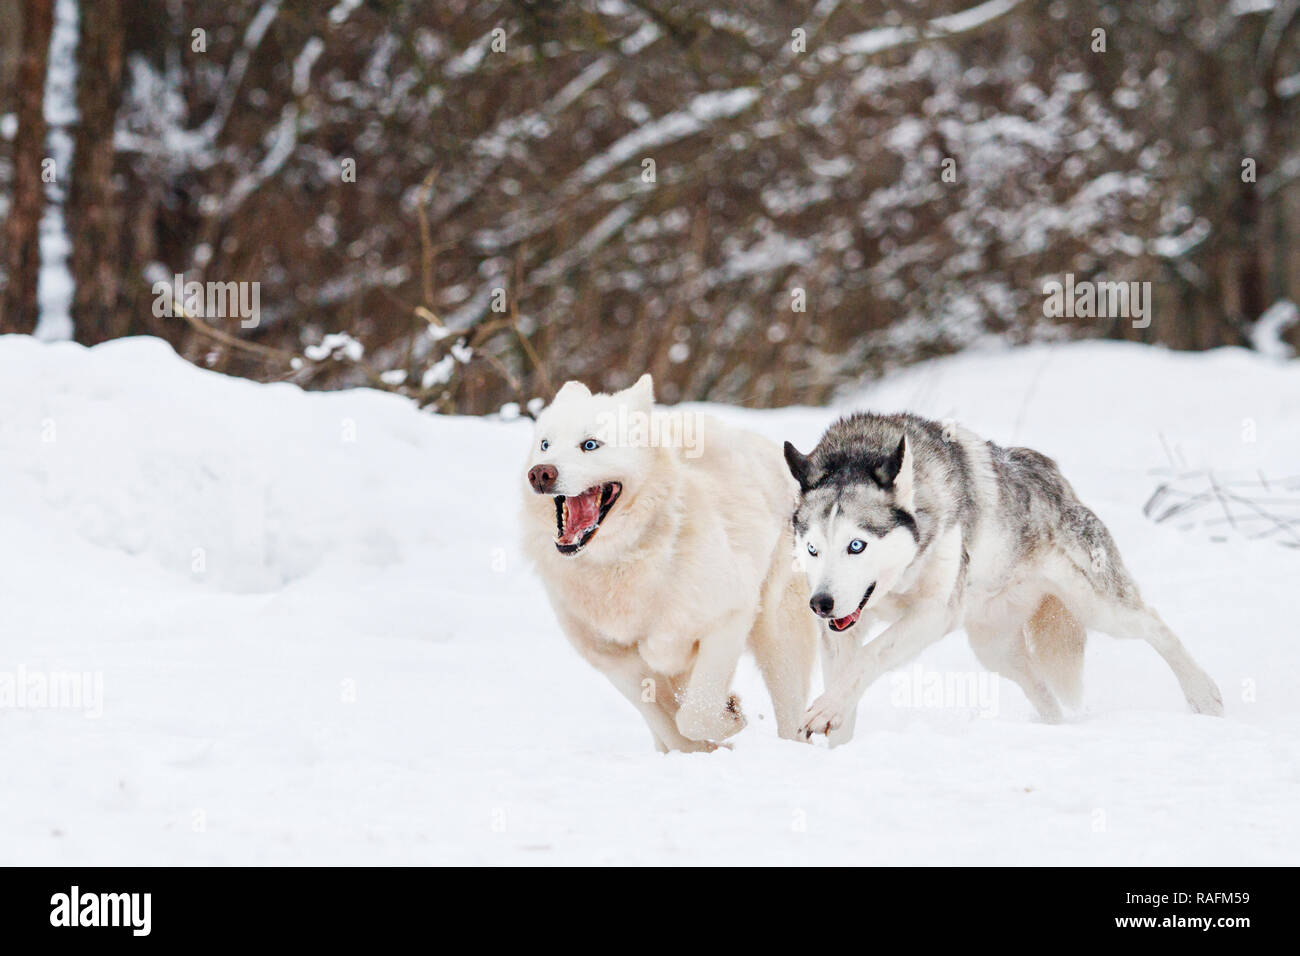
pixel 317 641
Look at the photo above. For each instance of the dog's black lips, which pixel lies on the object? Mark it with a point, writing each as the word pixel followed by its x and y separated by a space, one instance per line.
pixel 609 492
pixel 854 615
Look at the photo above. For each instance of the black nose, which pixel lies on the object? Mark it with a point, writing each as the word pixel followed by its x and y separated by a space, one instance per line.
pixel 542 478
pixel 822 604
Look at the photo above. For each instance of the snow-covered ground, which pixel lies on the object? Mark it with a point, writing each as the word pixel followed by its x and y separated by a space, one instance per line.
pixel 318 642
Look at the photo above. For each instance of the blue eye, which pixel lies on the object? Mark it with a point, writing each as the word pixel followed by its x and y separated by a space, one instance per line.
pixel 545 444
pixel 590 445
pixel 857 546
pixel 812 550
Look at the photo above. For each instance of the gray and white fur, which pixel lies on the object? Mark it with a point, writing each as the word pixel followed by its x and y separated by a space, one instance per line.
pixel 928 528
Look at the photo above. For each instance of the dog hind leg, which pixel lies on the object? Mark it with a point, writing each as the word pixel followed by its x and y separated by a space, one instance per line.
pixel 1003 650
pixel 1123 620
pixel 1108 600
pixel 1100 592
pixel 1055 642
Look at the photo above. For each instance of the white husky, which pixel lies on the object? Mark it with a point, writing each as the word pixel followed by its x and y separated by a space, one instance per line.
pixel 664 542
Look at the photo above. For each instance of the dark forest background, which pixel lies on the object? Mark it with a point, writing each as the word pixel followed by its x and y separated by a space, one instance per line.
pixel 502 230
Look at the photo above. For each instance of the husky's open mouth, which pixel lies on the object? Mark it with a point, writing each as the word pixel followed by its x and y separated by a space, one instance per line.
pixel 578 516
pixel 844 623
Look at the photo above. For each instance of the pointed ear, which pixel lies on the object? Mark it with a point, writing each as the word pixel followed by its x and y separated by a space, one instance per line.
pixel 573 389
pixel 800 466
pixel 896 473
pixel 642 393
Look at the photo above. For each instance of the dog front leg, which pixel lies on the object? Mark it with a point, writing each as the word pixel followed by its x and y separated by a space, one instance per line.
pixel 838 650
pixel 651 694
pixel 897 645
pixel 653 697
pixel 709 711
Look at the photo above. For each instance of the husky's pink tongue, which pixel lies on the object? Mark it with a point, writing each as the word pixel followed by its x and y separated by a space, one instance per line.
pixel 581 512
pixel 840 623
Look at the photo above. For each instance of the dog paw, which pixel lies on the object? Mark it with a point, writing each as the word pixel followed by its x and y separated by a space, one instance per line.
pixel 701 747
pixel 827 714
pixel 697 724
pixel 1206 699
pixel 840 735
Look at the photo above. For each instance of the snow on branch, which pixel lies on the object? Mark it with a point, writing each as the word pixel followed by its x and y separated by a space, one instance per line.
pixel 703 110
pixel 887 38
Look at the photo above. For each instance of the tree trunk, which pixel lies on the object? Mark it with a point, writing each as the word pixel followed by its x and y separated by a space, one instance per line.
pixel 93 215
pixel 22 257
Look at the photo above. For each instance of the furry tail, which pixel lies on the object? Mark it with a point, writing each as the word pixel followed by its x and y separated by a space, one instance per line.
pixel 1055 640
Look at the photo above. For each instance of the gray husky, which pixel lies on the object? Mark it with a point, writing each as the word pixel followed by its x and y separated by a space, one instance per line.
pixel 929 528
